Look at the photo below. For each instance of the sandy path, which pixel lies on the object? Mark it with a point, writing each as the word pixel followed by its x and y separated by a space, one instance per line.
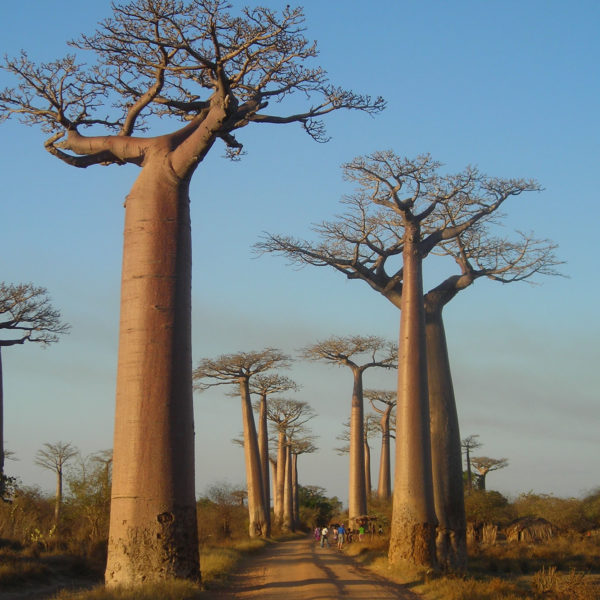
pixel 301 570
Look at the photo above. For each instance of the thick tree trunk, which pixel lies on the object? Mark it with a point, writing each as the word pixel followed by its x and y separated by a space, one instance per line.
pixel 469 472
pixel 295 496
pixel 263 449
pixel 257 525
pixel 367 451
pixel 384 485
pixel 153 532
pixel 288 506
pixel 446 455
pixel 281 446
pixel 414 523
pixel 357 498
pixel 274 479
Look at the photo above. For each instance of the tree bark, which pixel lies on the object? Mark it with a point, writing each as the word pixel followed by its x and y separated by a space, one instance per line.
pixel 295 496
pixel 257 525
pixel 414 523
pixel 357 498
pixel 1 430
pixel 263 449
pixel 288 507
pixel 384 485
pixel 153 532
pixel 446 455
pixel 367 452
pixel 281 445
pixel 58 498
pixel 274 479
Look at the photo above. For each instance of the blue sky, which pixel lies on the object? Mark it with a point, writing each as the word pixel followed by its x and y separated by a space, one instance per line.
pixel 512 87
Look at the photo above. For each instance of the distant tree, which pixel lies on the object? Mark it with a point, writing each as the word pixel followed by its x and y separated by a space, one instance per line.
pixel 358 353
pixel 288 417
pixel 209 72
pixel 26 315
pixel 404 209
pixel 388 399
pixel 298 446
pixel 488 507
pixel 264 386
pixel 238 369
pixel 468 445
pixel 316 508
pixel 484 464
pixel 54 457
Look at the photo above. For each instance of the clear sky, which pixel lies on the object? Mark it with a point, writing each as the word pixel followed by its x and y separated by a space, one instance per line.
pixel 510 86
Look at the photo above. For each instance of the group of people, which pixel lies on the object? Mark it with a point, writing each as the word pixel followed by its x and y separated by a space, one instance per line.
pixel 339 535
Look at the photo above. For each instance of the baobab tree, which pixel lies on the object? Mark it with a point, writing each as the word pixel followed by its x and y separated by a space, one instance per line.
pixel 403 211
pixel 370 428
pixel 238 369
pixel 288 417
pixel 388 399
pixel 263 386
pixel 26 315
pixel 469 444
pixel 54 457
pixel 209 72
pixel 358 353
pixel 485 464
pixel 298 446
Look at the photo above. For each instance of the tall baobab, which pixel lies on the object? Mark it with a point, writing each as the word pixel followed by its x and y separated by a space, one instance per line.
pixel 209 72
pixel 238 369
pixel 388 399
pixel 26 315
pixel 358 353
pixel 298 446
pixel 263 386
pixel 54 457
pixel 288 417
pixel 403 209
pixel 485 464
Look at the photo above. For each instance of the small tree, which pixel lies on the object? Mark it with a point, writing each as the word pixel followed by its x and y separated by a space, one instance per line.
pixel 26 315
pixel 238 369
pixel 469 444
pixel 388 399
pixel 358 353
pixel 484 464
pixel 54 457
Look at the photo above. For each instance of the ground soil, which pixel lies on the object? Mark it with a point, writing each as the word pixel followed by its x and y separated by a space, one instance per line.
pixel 301 570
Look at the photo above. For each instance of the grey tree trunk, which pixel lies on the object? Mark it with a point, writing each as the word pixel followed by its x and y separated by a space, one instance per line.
pixel 446 455
pixel 58 498
pixel 274 479
pixel 413 528
pixel 357 497
pixel 1 430
pixel 281 455
pixel 367 451
pixel 295 497
pixel 153 532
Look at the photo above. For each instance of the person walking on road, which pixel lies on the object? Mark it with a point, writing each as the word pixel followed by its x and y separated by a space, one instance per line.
pixel 324 538
pixel 341 536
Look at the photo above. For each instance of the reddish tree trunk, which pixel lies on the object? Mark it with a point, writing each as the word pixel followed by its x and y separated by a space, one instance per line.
pixel 384 485
pixel 288 503
pixel 413 518
pixel 281 455
pixel 153 532
pixel 1 430
pixel 367 451
pixel 446 453
pixel 295 496
pixel 357 498
pixel 274 479
pixel 257 525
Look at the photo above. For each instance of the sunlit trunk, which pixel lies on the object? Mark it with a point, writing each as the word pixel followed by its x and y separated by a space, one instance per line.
pixel 384 485
pixel 357 498
pixel 263 448
pixel 446 453
pixel 153 532
pixel 413 527
pixel 288 506
pixel 58 498
pixel 295 497
pixel 281 445
pixel 274 480
pixel 257 525
pixel 367 452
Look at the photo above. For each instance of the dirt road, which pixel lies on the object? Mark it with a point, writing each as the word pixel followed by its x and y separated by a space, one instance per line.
pixel 301 570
